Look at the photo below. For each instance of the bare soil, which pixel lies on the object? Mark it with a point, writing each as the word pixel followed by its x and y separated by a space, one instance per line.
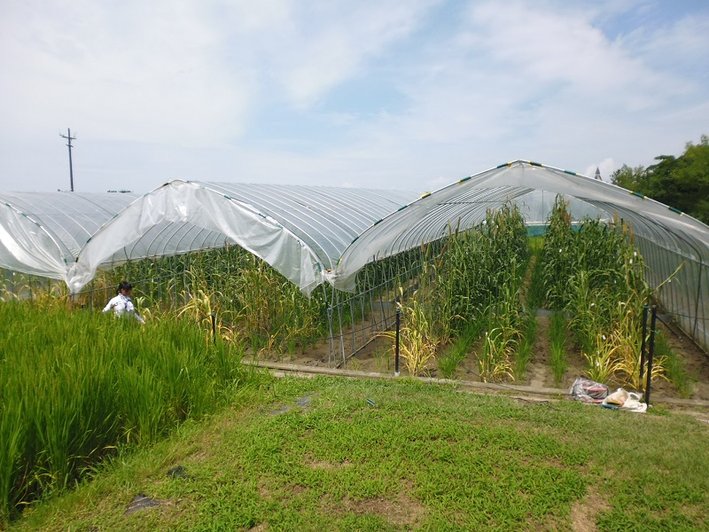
pixel 584 511
pixel 401 511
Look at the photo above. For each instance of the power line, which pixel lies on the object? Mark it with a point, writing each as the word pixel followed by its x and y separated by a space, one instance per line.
pixel 71 169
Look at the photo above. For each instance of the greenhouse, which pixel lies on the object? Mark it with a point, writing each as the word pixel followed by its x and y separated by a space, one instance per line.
pixel 363 244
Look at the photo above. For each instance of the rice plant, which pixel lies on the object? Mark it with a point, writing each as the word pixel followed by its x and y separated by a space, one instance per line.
pixel 459 349
pixel 75 385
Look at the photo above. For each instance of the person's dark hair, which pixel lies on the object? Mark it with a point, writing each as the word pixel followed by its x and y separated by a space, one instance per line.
pixel 124 285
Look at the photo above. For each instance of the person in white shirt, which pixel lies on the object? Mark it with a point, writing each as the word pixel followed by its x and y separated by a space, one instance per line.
pixel 121 304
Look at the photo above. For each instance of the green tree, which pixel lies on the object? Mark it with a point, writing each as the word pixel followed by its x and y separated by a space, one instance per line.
pixel 680 182
pixel 634 179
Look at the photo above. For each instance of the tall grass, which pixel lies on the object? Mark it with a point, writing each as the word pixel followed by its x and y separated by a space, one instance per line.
pixel 76 385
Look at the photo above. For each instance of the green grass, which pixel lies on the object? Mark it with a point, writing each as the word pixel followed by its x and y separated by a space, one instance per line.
pixel 328 454
pixel 557 346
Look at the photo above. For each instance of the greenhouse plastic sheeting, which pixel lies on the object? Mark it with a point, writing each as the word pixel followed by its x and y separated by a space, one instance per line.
pixel 42 233
pixel 464 204
pixel 311 234
pixel 667 238
pixel 299 230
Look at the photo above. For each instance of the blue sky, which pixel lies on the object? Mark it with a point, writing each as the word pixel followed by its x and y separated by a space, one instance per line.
pixel 385 94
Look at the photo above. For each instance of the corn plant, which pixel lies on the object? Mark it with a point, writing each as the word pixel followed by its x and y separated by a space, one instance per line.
pixel 252 302
pixel 495 363
pixel 598 277
pixel 417 343
pixel 602 359
pixel 557 249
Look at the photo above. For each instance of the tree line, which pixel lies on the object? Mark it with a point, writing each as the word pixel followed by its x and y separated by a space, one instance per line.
pixel 680 182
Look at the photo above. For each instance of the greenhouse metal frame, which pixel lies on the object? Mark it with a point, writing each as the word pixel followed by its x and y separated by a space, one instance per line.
pixel 314 235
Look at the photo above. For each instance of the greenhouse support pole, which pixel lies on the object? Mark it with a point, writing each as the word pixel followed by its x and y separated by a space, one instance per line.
pixel 331 356
pixel 339 322
pixel 398 339
pixel 642 345
pixel 696 304
pixel 352 321
pixel 214 327
pixel 651 352
pixel 384 316
pixel 370 291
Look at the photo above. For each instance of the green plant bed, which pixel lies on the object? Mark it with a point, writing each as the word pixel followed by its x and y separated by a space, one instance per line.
pixel 524 352
pixel 459 349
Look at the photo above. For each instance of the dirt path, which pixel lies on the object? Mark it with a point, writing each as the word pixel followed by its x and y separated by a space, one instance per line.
pixel 538 369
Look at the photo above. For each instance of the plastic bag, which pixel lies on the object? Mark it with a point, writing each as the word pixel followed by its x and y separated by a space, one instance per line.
pixel 617 398
pixel 588 391
pixel 625 400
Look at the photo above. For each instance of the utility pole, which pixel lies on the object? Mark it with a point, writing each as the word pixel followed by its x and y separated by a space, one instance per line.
pixel 71 170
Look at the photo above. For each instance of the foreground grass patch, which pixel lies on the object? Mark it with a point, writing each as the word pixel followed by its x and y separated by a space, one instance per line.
pixel 333 454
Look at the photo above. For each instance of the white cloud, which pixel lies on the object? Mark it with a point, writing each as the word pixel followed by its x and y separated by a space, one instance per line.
pixel 530 82
pixel 320 53
pixel 156 79
pixel 182 72
pixel 169 89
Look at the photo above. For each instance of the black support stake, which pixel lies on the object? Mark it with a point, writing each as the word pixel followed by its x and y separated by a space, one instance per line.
pixel 651 352
pixel 214 327
pixel 398 328
pixel 642 345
